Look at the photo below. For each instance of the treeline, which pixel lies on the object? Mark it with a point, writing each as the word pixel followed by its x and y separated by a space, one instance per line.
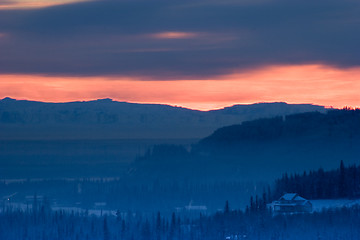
pixel 343 182
pixel 261 149
pixel 128 195
pixel 40 223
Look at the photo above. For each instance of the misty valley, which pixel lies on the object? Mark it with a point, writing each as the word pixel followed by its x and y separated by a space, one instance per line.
pixel 263 171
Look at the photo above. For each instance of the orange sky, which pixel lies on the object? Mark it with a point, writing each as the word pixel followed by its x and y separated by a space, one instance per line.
pixel 317 84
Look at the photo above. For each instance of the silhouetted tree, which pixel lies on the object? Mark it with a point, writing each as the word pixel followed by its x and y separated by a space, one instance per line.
pixel 106 230
pixel 226 208
pixel 342 190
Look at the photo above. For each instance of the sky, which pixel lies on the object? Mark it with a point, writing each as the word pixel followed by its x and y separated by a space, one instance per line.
pixel 201 54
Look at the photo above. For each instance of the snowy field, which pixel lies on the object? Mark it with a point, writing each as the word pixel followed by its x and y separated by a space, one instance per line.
pixel 81 211
pixel 319 205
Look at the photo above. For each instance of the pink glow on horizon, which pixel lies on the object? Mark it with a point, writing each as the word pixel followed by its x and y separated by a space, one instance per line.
pixel 317 84
pixel 25 4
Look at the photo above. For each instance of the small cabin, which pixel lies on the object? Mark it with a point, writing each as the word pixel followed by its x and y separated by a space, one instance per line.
pixel 291 203
pixel 191 209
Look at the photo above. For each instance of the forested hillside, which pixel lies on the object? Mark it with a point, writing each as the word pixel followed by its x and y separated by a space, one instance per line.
pixel 263 149
pixel 343 182
pixel 343 123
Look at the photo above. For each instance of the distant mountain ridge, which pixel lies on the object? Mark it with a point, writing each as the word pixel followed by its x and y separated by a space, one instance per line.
pixel 108 119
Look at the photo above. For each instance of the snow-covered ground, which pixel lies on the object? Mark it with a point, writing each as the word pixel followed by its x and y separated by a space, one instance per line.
pixel 96 212
pixel 319 205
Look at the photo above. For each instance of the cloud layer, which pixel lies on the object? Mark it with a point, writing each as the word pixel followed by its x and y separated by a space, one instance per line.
pixel 176 39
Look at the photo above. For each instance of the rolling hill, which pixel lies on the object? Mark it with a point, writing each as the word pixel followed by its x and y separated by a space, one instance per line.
pixel 108 119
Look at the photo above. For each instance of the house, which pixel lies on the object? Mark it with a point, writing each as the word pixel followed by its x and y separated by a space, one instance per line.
pixel 291 203
pixel 200 208
pixel 192 210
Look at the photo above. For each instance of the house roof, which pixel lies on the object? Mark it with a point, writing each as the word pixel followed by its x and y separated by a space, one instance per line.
pixel 289 196
pixel 298 198
pixel 292 197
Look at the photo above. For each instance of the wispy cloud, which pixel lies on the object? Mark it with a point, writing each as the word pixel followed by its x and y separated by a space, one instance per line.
pixel 175 35
pixel 31 4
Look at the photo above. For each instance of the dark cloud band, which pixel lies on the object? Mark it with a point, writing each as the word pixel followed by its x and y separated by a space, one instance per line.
pixel 209 37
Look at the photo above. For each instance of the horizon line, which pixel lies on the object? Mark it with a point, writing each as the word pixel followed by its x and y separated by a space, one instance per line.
pixel 171 105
